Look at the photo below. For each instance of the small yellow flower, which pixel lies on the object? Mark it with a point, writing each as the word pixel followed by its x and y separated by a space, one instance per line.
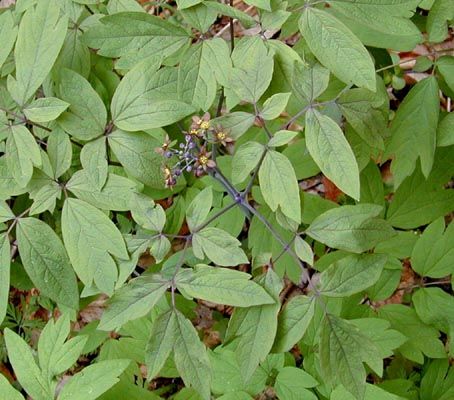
pixel 167 172
pixel 201 124
pixel 204 162
pixel 221 135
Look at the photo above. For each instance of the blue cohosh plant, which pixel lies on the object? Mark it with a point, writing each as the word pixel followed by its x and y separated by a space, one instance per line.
pixel 160 159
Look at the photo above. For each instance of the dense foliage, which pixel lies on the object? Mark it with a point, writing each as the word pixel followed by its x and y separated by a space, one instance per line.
pixel 207 200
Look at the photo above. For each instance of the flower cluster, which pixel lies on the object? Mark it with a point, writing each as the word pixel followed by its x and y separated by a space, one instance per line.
pixel 193 155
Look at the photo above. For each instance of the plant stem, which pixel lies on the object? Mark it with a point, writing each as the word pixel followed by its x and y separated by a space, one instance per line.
pixel 16 220
pixel 232 31
pixel 25 120
pixel 313 105
pixel 262 121
pixel 177 268
pixel 286 246
pixel 254 174
pixel 432 53
pixel 217 174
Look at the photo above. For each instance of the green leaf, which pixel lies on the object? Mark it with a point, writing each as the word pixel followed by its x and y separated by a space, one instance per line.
pixel 351 274
pixel 388 281
pixel 59 150
pixel 293 322
pixel 413 131
pixel 279 185
pixel 182 4
pixel 337 48
pixel 146 35
pixel 41 34
pixel 309 82
pixel 254 328
pixel 93 380
pixel 146 98
pixel 25 368
pixel 45 109
pixel 236 396
pixel 93 158
pixel 136 152
pixel 445 131
pixel 245 159
pixel 22 153
pixel 133 301
pixel 253 69
pixel 374 392
pixel 445 65
pixel 222 286
pixel 117 6
pixel 161 342
pixel 418 201
pixel 303 250
pixel 8 33
pixel 423 63
pixel 159 247
pixel 227 377
pixel 270 20
pixel 302 162
pixel 89 1
pixel 5 212
pixel 8 391
pixel 433 306
pixel 8 185
pixel 74 54
pixel 440 15
pixel 86 117
pixel 343 348
pixel 351 228
pixel 196 79
pixel 438 381
pixel 274 106
pixel 91 240
pixel 220 247
pixel 55 354
pixel 285 59
pixel 292 383
pixel 117 193
pixel 191 358
pixel 246 20
pixel 380 24
pixel 199 208
pixel 263 4
pixel 5 264
pixel 280 138
pixel 433 254
pixel 378 330
pixel 236 122
pixel 46 262
pixel 216 53
pixel 332 153
pixel 45 198
pixel 422 339
pixel 231 221
pixel 367 112
pixel 146 213
pixel 399 246
pixel 200 17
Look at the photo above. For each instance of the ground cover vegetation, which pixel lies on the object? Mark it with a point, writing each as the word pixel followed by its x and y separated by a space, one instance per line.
pixel 226 200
